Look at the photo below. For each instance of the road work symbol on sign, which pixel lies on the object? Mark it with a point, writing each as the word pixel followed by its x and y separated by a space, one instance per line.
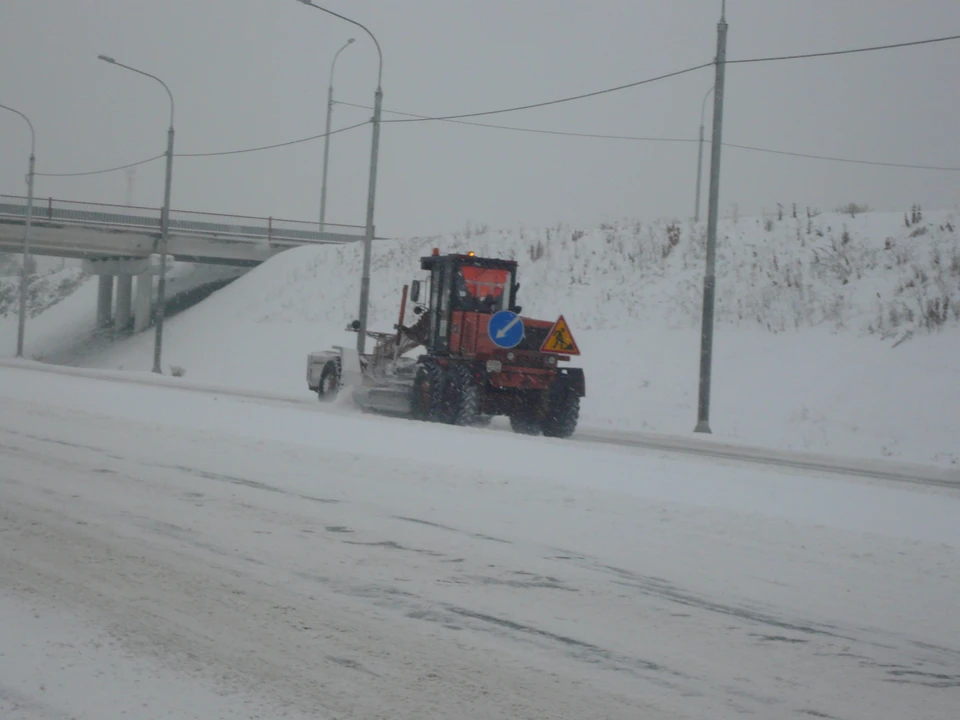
pixel 560 339
pixel 505 329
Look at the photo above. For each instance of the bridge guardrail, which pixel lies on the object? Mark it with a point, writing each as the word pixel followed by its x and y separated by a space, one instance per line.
pixel 240 228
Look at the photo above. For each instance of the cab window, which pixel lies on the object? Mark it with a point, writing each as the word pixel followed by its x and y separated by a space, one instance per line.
pixel 483 290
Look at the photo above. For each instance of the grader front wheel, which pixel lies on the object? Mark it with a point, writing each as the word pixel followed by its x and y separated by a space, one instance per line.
pixel 431 394
pixel 466 410
pixel 562 412
pixel 329 381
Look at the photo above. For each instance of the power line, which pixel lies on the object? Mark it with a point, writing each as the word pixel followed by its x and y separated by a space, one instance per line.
pixel 831 53
pixel 412 118
pixel 421 118
pixel 556 102
pixel 209 154
pixel 538 131
pixel 276 145
pixel 603 136
pixel 98 172
pixel 677 74
pixel 839 159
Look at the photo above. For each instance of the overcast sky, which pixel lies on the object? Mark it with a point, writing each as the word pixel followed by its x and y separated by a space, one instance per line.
pixel 252 72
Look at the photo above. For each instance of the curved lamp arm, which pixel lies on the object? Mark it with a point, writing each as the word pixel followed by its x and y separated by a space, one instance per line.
pixel 110 60
pixel 362 27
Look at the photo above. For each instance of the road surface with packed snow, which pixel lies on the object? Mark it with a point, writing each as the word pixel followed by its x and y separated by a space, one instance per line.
pixel 193 555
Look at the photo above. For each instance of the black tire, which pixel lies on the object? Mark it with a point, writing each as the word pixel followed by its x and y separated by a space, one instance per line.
pixel 466 411
pixel 431 388
pixel 525 424
pixel 420 398
pixel 329 381
pixel 563 412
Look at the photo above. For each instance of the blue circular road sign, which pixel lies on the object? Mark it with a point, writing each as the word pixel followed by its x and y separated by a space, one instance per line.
pixel 505 329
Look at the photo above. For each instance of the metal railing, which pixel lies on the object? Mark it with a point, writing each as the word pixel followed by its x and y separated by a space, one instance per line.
pixel 240 228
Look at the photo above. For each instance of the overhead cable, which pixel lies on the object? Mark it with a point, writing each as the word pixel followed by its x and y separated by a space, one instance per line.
pixel 106 170
pixel 832 53
pixel 538 131
pixel 571 98
pixel 603 136
pixel 275 145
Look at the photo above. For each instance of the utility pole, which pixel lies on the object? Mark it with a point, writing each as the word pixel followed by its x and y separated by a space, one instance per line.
pixel 372 188
pixel 164 218
pixel 25 270
pixel 368 236
pixel 709 278
pixel 164 239
pixel 703 107
pixel 326 138
pixel 24 278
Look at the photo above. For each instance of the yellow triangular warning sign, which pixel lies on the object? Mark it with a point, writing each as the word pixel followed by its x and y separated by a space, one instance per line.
pixel 560 339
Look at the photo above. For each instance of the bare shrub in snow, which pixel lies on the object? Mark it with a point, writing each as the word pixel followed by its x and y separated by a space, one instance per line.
pixel 536 251
pixel 43 291
pixel 853 209
pixel 177 371
pixel 673 239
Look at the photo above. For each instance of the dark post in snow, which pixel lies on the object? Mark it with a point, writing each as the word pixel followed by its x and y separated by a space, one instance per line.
pixel 326 138
pixel 164 240
pixel 709 279
pixel 372 187
pixel 25 269
pixel 164 218
pixel 703 107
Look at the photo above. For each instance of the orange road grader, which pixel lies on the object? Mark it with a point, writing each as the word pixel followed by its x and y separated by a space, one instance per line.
pixel 480 357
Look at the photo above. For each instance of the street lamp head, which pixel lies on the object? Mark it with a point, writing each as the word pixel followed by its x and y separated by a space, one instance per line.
pixel 351 40
pixel 107 58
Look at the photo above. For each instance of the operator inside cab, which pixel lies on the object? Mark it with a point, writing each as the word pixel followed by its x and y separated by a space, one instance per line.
pixel 475 289
pixel 482 290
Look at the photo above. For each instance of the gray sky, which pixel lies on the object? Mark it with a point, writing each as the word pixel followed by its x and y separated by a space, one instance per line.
pixel 252 72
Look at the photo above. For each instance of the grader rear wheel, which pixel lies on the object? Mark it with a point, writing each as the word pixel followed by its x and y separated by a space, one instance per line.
pixel 525 424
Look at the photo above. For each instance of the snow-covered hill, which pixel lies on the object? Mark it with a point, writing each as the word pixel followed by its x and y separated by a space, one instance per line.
pixel 836 333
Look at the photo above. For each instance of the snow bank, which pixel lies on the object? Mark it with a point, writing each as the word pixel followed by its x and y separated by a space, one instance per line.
pixel 836 333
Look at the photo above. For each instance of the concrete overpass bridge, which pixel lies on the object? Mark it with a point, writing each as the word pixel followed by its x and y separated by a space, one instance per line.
pixel 120 242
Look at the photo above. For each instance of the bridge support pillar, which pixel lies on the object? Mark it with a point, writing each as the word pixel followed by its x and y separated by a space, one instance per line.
pixel 121 318
pixel 124 269
pixel 104 300
pixel 141 304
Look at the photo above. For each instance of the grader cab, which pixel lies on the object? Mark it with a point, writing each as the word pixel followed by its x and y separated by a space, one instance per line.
pixel 480 357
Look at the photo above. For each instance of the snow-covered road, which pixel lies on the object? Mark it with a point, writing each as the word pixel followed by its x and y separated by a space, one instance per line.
pixel 170 554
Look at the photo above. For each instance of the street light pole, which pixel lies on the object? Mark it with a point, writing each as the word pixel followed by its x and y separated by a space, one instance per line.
pixel 372 188
pixel 326 139
pixel 164 220
pixel 703 108
pixel 24 271
pixel 709 278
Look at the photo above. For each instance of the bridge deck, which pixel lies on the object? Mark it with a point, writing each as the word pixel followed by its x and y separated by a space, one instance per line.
pixel 75 229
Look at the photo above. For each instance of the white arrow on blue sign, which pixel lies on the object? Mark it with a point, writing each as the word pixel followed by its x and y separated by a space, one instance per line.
pixel 505 329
